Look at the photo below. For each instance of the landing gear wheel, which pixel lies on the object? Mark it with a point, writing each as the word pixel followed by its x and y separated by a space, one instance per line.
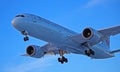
pixel 62 60
pixel 59 59
pixel 89 52
pixel 26 38
pixel 66 60
pixel 92 52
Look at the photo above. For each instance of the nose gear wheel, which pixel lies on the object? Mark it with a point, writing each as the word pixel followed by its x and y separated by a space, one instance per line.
pixel 25 33
pixel 26 38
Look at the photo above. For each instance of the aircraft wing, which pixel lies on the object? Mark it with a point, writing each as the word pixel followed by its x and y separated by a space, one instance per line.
pixel 105 32
pixel 48 49
pixel 110 31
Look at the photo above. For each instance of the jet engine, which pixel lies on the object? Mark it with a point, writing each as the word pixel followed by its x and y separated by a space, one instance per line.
pixel 35 51
pixel 92 36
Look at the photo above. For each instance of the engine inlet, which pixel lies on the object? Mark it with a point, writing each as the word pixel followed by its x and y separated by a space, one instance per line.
pixel 87 33
pixel 30 50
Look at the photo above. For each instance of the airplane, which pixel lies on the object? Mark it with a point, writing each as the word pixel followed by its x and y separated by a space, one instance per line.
pixel 60 40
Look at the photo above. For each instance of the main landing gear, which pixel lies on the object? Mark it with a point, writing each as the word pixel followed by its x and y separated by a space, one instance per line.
pixel 89 51
pixel 62 59
pixel 26 38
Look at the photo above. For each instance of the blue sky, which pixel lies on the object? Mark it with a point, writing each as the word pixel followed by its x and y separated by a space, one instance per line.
pixel 72 14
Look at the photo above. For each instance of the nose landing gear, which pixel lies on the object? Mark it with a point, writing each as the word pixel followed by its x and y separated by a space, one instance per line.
pixel 26 38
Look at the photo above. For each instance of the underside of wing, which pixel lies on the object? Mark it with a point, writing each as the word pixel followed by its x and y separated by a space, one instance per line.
pixel 38 52
pixel 88 35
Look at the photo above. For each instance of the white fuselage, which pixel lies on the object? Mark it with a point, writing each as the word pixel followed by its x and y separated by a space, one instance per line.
pixel 50 32
pixel 41 28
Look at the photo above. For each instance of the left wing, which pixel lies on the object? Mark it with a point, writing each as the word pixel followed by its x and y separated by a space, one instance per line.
pixel 105 33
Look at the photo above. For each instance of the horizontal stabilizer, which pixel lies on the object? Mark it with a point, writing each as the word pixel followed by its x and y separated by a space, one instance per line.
pixel 115 51
pixel 110 31
pixel 25 55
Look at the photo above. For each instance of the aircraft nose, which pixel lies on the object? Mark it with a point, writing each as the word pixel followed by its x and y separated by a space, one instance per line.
pixel 18 19
pixel 21 21
pixel 17 24
pixel 13 22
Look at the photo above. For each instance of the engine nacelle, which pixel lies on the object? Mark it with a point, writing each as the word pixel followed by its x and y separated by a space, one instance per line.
pixel 35 51
pixel 92 35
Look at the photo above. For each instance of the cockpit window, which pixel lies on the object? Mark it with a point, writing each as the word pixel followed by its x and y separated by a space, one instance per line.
pixel 20 16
